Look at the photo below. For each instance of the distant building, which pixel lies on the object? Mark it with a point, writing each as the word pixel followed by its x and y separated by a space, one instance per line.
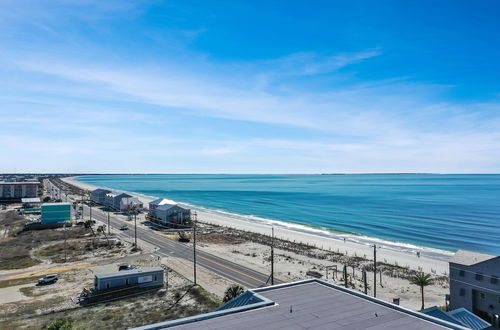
pixel 158 202
pixel 55 213
pixel 129 203
pixel 117 199
pixel 99 195
pixel 169 212
pixel 109 199
pixel 475 284
pixel 113 200
pixel 173 214
pixel 309 304
pixel 145 277
pixel 17 190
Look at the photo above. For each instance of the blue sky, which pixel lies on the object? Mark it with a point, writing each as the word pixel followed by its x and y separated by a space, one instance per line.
pixel 249 86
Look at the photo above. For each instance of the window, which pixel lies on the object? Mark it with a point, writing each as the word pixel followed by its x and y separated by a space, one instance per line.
pixel 107 285
pixel 127 282
pixel 481 294
pixel 461 273
pixel 156 278
pixel 462 292
pixel 479 277
pixel 494 279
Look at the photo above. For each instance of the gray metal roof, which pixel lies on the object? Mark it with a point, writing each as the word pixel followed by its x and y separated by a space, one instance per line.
pixel 123 195
pixel 100 190
pixel 310 304
pixel 469 258
pixel 122 273
pixel 52 204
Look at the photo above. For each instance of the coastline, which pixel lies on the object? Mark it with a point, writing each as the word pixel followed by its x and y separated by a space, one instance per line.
pixel 401 254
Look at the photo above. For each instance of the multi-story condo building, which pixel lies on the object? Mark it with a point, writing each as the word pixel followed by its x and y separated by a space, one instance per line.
pixel 475 284
pixel 18 190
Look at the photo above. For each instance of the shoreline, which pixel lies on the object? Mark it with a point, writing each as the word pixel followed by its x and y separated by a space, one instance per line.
pixel 402 254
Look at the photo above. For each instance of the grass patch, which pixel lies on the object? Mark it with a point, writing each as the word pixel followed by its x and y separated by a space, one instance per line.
pixel 18 262
pixel 16 251
pixel 76 250
pixel 205 298
pixel 12 325
pixel 19 281
pixel 31 291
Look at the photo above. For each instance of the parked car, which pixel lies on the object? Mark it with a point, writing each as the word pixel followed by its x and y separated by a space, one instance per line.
pixel 124 227
pixel 126 267
pixel 47 279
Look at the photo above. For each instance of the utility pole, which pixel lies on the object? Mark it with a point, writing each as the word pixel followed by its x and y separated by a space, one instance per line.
pixel 108 224
pixel 90 214
pixel 272 257
pixel 345 275
pixel 364 280
pixel 135 229
pixel 194 247
pixel 374 270
pixel 65 250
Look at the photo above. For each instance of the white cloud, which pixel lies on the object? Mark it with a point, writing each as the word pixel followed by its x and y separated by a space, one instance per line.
pixel 384 126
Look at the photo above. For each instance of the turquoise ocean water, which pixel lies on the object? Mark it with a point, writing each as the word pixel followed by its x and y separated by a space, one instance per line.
pixel 446 212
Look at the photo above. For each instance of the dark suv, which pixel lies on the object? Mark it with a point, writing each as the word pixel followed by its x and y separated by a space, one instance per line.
pixel 126 267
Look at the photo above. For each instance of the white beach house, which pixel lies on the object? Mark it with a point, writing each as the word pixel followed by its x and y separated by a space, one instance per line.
pixel 169 212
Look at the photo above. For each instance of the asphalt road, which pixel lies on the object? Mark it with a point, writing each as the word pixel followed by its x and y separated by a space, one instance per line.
pixel 167 247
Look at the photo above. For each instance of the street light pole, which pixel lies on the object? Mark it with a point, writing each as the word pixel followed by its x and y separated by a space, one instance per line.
pixel 108 224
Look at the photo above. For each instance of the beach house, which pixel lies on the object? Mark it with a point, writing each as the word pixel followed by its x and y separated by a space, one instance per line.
pixel 109 199
pixel 99 195
pixel 173 214
pixel 475 284
pixel 113 200
pixel 145 277
pixel 129 203
pixel 157 202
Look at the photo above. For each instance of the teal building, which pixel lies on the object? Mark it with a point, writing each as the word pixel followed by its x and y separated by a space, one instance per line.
pixel 55 212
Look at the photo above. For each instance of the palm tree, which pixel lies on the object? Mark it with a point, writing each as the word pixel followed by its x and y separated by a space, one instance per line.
pixel 102 229
pixel 421 280
pixel 232 292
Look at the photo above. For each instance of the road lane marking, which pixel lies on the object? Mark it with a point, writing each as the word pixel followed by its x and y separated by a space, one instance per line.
pixel 232 269
pixel 163 242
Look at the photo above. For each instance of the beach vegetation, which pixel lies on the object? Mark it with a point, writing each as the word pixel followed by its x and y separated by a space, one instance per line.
pixel 60 325
pixel 232 292
pixel 422 280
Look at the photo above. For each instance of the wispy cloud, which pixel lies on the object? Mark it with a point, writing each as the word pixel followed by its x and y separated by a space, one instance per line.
pixel 309 63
